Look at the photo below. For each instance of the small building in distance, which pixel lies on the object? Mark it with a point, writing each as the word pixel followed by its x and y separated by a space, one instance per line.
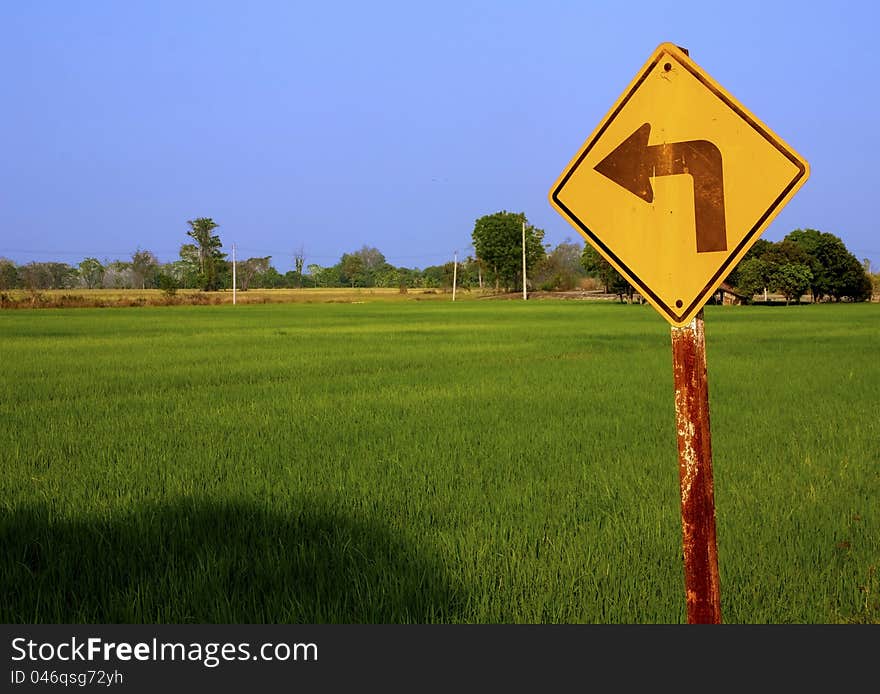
pixel 730 296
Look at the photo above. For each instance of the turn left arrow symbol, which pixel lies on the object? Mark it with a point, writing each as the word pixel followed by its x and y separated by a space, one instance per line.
pixel 634 162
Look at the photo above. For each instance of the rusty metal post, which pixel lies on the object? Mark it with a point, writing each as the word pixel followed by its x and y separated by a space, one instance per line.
pixel 702 585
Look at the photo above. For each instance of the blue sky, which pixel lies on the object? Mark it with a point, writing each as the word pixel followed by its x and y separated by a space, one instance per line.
pixel 329 126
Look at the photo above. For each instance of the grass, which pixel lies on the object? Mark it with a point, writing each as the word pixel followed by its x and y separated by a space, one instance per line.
pixel 402 461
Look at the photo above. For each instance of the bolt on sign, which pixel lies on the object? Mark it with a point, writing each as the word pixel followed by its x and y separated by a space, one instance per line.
pixel 676 183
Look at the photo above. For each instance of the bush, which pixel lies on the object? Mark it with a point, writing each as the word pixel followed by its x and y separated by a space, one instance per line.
pixel 167 284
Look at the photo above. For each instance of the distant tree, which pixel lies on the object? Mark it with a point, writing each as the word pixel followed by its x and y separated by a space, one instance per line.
pixel 473 269
pixel 498 242
pixel 433 276
pixel 760 265
pixel 144 266
pixel 166 283
pixel 786 251
pixel 270 278
pixel 187 268
pixel 91 272
pixel 596 266
pixel 299 258
pixel 372 257
pixel 759 249
pixel 117 274
pixel 834 272
pixel 449 275
pixel 250 267
pixel 352 270
pixel 852 283
pixel 51 275
pixel 754 275
pixel 364 266
pixel 792 280
pixel 8 274
pixel 561 268
pixel 62 275
pixel 387 276
pixel 469 273
pixel 208 244
pixel 34 276
pixel 810 240
pixel 874 277
pixel 314 271
pixel 837 273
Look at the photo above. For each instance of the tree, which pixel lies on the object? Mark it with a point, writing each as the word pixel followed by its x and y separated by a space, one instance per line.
pixel 442 276
pixel 117 274
pixel 144 266
pixel 562 268
pixel 249 268
pixel 469 273
pixel 91 272
pixel 208 245
pixel 874 277
pixel 433 276
pixel 837 273
pixel 315 271
pixel 269 279
pixel 497 240
pixel 166 283
pixel 596 266
pixel 372 257
pixel 299 258
pixel 852 282
pixel 8 274
pixel 388 276
pixel 791 280
pixel 372 265
pixel 36 276
pixel 753 276
pixel 758 249
pixel 352 270
pixel 186 269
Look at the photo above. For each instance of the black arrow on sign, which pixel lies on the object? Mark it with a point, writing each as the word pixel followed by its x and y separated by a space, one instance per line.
pixel 633 162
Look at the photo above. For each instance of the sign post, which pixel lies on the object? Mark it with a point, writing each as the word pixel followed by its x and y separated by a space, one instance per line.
pixel 672 188
pixel 702 584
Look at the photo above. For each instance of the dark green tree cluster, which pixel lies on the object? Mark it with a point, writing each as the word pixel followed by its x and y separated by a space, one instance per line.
pixel 365 267
pixel 36 276
pixel 805 261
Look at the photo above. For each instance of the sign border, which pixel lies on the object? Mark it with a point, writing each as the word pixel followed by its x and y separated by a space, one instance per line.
pixel 802 174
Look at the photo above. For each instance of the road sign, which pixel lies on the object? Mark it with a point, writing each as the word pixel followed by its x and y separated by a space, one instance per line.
pixel 676 183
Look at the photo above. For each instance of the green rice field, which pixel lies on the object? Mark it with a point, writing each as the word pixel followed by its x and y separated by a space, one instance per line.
pixel 468 462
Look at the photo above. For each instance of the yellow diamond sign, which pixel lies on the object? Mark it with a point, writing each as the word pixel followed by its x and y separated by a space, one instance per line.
pixel 676 183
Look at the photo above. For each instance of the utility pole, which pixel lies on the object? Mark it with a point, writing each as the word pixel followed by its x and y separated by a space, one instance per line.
pixel 525 296
pixel 233 274
pixel 454 274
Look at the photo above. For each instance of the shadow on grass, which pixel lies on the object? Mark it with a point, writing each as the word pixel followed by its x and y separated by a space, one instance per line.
pixel 207 562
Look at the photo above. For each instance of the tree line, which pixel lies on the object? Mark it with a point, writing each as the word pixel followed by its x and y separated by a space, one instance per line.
pixel 806 261
pixel 203 264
